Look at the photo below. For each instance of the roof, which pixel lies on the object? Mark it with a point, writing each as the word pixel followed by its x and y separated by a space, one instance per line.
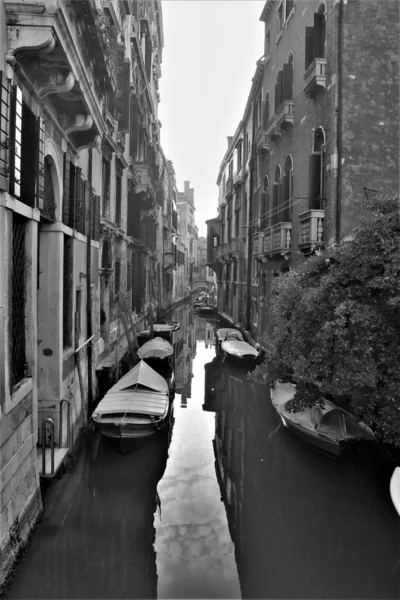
pixel 155 348
pixel 142 375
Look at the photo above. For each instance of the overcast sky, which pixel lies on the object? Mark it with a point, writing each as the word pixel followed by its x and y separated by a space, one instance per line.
pixel 209 58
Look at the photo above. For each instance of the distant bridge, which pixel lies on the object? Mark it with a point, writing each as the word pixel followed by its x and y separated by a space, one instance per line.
pixel 201 283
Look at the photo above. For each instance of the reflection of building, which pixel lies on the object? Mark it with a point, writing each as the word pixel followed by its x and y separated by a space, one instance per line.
pixel 209 335
pixel 185 349
pixel 188 230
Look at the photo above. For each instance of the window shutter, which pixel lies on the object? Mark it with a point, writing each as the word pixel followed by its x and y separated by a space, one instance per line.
pixel 275 203
pixel 278 91
pixel 266 112
pixel 314 181
pixel 319 35
pixel 78 200
pixel 309 46
pixel 123 124
pixel 16 137
pixel 4 130
pixel 287 85
pixel 66 195
pixel 88 202
pixel 96 218
pixel 284 208
pixel 40 164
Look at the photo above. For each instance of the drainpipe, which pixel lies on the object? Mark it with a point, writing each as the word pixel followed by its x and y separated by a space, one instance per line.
pixel 89 291
pixel 339 123
pixel 250 227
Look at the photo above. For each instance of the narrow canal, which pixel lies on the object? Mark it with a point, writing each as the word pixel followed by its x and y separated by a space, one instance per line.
pixel 232 505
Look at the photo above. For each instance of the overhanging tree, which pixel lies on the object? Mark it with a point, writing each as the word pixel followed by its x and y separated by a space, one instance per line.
pixel 337 324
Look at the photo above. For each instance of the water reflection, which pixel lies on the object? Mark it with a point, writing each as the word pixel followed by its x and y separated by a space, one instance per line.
pixel 303 525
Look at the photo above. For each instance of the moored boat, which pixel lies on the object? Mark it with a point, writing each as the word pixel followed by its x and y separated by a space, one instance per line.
pixel 163 330
pixel 326 425
pixel 136 406
pixel 240 352
pixel 158 354
pixel 395 489
pixel 206 310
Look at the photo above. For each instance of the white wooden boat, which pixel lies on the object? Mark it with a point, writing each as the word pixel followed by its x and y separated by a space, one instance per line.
pixel 328 427
pixel 137 406
pixel 240 352
pixel 158 353
pixel 395 489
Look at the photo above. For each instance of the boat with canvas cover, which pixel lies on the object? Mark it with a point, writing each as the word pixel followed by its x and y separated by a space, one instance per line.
pixel 241 353
pixel 164 330
pixel 158 354
pixel 226 333
pixel 326 425
pixel 136 406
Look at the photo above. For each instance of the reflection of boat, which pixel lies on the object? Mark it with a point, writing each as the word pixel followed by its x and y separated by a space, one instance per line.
pixel 395 488
pixel 158 354
pixel 240 352
pixel 206 310
pixel 136 406
pixel 164 330
pixel 325 426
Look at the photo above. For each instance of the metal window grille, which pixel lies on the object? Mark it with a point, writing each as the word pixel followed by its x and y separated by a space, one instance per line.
pixel 67 292
pixel 49 208
pixel 17 321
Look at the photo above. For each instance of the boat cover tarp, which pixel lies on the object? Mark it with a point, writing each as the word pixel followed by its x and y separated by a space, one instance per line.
pixel 228 333
pixel 141 375
pixel 158 328
pixel 327 419
pixel 155 348
pixel 239 349
pixel 141 402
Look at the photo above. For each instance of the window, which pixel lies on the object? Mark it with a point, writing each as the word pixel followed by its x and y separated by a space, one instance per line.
pixel 4 129
pixel 106 188
pixel 264 204
pixel 281 15
pixel 267 45
pixel 315 38
pixel 284 12
pixel 118 199
pixel 266 111
pixel 237 222
pixel 215 241
pixel 317 172
pixel 276 196
pixel 284 84
pixel 17 321
pixel 239 155
pixel 78 317
pixel 117 280
pixel 67 292
pixel 285 210
pixel 128 277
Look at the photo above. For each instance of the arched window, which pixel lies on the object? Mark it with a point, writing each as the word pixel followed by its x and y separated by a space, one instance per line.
pixel 266 111
pixel 49 207
pixel 284 83
pixel 276 195
pixel 317 171
pixel 287 185
pixel 106 255
pixel 215 240
pixel 264 203
pixel 315 38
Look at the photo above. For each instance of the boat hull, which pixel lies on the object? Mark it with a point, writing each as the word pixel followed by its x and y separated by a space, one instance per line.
pixel 333 447
pixel 245 362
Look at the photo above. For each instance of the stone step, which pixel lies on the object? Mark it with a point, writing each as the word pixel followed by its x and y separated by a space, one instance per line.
pixel 59 456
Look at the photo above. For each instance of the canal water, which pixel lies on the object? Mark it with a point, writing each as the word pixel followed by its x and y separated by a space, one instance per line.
pixel 229 505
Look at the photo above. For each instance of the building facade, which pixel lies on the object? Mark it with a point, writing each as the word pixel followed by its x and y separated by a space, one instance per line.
pixel 324 134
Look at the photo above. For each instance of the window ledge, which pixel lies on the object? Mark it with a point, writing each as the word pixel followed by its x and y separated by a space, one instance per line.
pixel 24 387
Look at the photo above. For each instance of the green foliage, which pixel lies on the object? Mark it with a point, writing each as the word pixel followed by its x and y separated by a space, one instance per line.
pixel 337 324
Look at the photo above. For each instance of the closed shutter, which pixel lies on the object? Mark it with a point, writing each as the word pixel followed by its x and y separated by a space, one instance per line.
pixel 66 195
pixel 314 181
pixel 278 91
pixel 287 85
pixel 29 157
pixel 96 218
pixel 309 50
pixel 78 200
pixel 16 141
pixel 40 164
pixel 4 130
pixel 275 203
pixel 123 123
pixel 319 35
pixel 284 208
pixel 266 112
pixel 87 204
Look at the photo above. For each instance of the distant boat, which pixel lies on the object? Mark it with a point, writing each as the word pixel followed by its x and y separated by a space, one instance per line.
pixel 135 407
pixel 158 354
pixel 206 310
pixel 164 330
pixel 240 352
pixel 395 489
pixel 326 426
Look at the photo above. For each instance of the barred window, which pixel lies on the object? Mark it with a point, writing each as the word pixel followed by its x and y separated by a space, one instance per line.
pixel 67 292
pixel 17 321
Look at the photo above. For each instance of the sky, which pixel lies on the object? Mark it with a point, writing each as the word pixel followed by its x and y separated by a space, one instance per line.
pixel 209 58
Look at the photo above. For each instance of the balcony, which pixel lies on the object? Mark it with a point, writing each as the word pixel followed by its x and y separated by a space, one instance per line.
pixel 278 239
pixel 273 131
pixel 285 114
pixel 311 228
pixel 145 180
pixel 262 143
pixel 315 77
pixel 239 177
pixel 258 243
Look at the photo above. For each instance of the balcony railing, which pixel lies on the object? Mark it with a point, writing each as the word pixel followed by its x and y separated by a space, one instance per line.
pixel 311 228
pixel 258 243
pixel 278 238
pixel 315 77
pixel 285 114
